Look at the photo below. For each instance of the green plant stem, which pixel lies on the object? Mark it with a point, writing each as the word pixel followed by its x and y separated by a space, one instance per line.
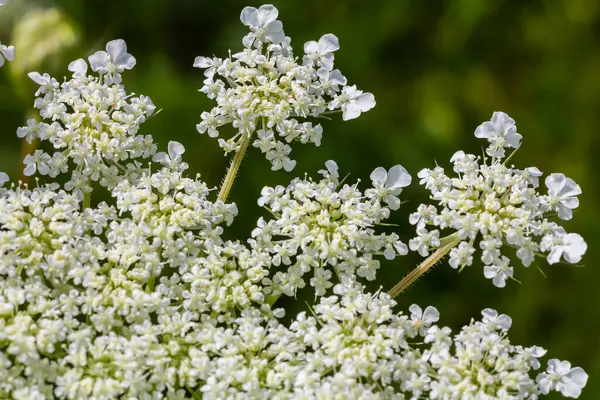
pixel 87 200
pixel 446 244
pixel 150 284
pixel 233 168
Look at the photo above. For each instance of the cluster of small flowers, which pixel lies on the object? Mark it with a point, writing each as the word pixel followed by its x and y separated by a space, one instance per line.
pixel 499 202
pixel 144 298
pixel 355 347
pixel 323 226
pixel 93 123
pixel 80 313
pixel 263 87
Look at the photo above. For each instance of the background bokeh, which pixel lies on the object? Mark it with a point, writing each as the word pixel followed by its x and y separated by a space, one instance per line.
pixel 437 70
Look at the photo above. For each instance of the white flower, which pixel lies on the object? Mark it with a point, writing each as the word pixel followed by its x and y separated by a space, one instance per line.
pixel 532 174
pixel 112 61
pixel 496 321
pixel 424 241
pixel 173 158
pixel 389 184
pixel 6 52
pixel 461 256
pixel 422 320
pixel 38 161
pixel 264 23
pixel 562 192
pixel 331 171
pixel 353 102
pixel 561 377
pixel 266 91
pixel 321 52
pixel 501 132
pixel 570 246
pixel 499 206
pixel 499 271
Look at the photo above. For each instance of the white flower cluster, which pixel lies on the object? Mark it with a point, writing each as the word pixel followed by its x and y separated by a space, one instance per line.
pixel 355 347
pixel 264 89
pixel 142 298
pixel 92 123
pixel 491 205
pixel 109 301
pixel 320 227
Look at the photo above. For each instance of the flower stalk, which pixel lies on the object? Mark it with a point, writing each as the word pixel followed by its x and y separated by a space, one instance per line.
pixel 447 244
pixel 233 168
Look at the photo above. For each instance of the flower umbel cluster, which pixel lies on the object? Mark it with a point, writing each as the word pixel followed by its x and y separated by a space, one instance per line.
pixel 264 91
pixel 326 228
pixel 493 206
pixel 142 297
pixel 355 347
pixel 91 122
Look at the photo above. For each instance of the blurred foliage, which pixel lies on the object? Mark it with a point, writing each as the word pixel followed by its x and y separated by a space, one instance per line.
pixel 437 70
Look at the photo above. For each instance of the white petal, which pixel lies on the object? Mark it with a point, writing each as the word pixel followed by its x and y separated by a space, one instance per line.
pixel 203 62
pixel 415 311
pixel 564 212
pixel 350 111
pixel 328 43
pixel 274 32
pixel 29 170
pixel 499 117
pixel 78 67
pixel 249 16
pixel 365 101
pixel 397 177
pixel 3 178
pixel 331 166
pixel 555 182
pixel 431 314
pixel 116 49
pixel 9 53
pixel 534 171
pixel 311 47
pixel 393 202
pixel 459 155
pixel 37 78
pixel 489 313
pixel 176 149
pixel 485 131
pixel 158 157
pixel 570 188
pixel 379 176
pixel 267 13
pixel 576 248
pixel 98 60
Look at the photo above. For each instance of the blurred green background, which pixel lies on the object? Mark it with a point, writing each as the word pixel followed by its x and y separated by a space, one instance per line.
pixel 437 70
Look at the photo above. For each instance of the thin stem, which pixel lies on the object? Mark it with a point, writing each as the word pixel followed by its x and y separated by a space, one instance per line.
pixel 448 244
pixel 150 284
pixel 233 168
pixel 87 198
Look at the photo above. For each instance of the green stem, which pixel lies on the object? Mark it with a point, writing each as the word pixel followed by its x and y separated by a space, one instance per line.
pixel 87 200
pixel 150 284
pixel 233 168
pixel 447 244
